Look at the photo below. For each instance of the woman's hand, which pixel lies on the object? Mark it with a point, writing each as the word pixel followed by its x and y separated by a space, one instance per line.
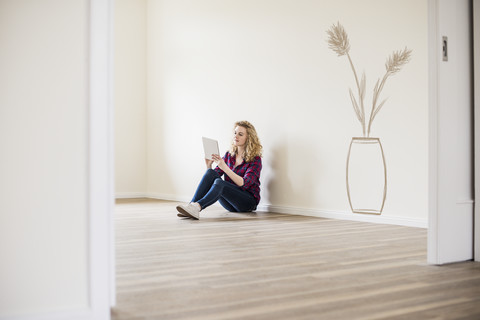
pixel 209 163
pixel 224 167
pixel 219 161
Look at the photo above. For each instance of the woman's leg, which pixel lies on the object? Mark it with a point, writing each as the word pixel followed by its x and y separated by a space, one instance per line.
pixel 231 197
pixel 226 205
pixel 237 200
pixel 205 184
pixel 192 210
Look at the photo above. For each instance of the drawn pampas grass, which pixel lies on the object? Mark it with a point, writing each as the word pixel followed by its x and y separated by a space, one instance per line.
pixel 338 41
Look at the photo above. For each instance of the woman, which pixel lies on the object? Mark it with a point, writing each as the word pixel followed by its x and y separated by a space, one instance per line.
pixel 241 166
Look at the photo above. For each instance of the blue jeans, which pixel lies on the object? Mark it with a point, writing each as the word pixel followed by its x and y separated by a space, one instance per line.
pixel 232 197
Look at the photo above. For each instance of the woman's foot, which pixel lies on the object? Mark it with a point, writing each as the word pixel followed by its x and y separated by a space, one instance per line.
pixel 191 210
pixel 181 215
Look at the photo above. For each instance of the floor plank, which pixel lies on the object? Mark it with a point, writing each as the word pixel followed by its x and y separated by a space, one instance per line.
pixel 275 266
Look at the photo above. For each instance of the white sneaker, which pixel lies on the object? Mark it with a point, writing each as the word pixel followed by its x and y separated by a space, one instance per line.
pixel 191 210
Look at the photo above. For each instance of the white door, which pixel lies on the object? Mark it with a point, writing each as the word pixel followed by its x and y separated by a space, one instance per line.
pixel 451 132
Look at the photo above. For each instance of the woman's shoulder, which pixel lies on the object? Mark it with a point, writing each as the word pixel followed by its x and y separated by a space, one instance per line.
pixel 228 157
pixel 256 160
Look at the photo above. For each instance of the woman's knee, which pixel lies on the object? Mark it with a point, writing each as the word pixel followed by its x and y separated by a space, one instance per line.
pixel 210 171
pixel 218 182
pixel 211 174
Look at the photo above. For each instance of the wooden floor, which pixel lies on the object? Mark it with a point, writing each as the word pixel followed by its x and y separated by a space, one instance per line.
pixel 273 266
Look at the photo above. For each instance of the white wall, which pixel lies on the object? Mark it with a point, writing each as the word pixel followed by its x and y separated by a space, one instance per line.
pixel 43 163
pixel 211 63
pixel 130 98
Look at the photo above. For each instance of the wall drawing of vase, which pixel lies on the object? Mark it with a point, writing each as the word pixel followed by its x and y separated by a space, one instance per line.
pixel 366 174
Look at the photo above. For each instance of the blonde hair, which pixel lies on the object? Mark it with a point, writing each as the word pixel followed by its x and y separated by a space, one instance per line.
pixel 253 147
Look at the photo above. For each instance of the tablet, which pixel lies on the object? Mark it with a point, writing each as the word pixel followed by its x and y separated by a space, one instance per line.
pixel 210 147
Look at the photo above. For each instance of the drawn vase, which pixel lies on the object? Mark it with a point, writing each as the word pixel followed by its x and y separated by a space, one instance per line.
pixel 366 176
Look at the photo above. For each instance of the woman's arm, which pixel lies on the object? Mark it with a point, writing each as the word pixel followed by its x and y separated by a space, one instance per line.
pixel 223 166
pixel 252 175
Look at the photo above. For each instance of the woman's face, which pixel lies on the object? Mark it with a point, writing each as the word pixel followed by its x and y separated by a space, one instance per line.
pixel 239 136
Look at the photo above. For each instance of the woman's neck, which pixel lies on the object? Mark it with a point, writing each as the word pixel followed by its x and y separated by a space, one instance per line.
pixel 240 151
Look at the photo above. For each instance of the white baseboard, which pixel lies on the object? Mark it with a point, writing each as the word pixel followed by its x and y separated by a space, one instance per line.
pixel 130 195
pixel 169 197
pixel 77 314
pixel 339 215
pixel 150 195
pixel 330 214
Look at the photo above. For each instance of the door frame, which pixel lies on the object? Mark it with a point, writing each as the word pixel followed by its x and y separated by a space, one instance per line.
pixel 101 153
pixel 100 158
pixel 476 98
